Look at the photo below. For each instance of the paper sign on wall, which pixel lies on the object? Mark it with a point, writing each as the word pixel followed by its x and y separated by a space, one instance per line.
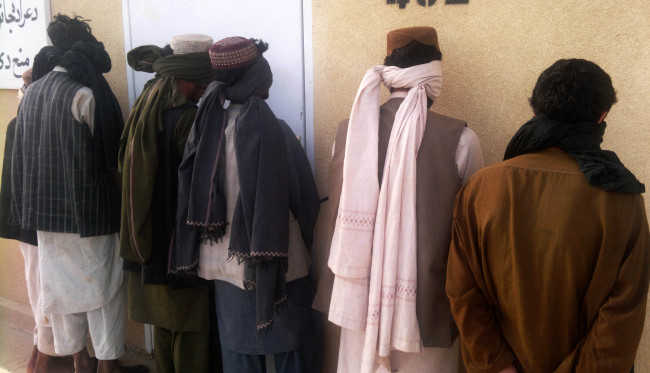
pixel 23 25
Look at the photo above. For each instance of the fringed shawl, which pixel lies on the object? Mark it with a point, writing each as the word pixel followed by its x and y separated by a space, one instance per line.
pixel 259 228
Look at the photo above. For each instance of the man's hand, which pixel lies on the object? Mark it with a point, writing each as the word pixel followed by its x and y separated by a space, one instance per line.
pixel 509 369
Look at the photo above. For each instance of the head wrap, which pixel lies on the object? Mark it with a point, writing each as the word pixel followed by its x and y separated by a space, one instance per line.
pixel 259 231
pixel 86 62
pixel 45 60
pixel 233 52
pixel 375 227
pixel 581 141
pixel 138 153
pixel 401 37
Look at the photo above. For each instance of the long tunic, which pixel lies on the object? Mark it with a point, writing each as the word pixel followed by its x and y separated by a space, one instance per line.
pixel 151 299
pixel 214 263
pixel 449 154
pixel 546 270
pixel 79 266
pixel 294 321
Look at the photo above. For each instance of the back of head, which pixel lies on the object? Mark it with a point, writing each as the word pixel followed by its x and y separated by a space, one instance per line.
pixel 412 46
pixel 572 91
pixel 64 31
pixel 233 56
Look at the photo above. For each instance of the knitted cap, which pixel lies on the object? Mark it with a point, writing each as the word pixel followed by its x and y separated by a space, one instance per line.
pixel 190 43
pixel 233 52
pixel 401 37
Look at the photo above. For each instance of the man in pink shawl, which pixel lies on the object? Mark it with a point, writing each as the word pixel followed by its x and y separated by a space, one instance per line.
pixel 394 175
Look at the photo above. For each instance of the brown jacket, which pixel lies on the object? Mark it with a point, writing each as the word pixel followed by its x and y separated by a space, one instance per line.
pixel 437 185
pixel 546 270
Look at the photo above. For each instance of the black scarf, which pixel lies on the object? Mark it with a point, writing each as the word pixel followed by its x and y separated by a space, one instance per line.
pixel 45 60
pixel 259 230
pixel 581 141
pixel 86 63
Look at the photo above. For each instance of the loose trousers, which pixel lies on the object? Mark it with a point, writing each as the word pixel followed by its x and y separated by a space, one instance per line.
pixel 43 337
pixel 105 324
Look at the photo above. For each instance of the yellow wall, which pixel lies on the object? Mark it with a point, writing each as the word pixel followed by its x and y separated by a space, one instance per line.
pixel 493 52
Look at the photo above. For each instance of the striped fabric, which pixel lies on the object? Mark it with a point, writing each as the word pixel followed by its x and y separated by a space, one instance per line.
pixel 55 185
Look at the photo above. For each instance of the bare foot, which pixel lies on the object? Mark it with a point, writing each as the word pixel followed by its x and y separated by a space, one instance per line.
pixel 108 366
pixel 83 363
pixel 53 364
pixel 113 366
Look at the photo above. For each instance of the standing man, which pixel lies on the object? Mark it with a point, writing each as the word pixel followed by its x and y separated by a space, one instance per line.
pixel 246 214
pixel 63 186
pixel 549 264
pixel 43 350
pixel 394 175
pixel 151 150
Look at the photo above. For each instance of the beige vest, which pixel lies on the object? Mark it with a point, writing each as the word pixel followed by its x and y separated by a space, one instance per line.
pixel 437 185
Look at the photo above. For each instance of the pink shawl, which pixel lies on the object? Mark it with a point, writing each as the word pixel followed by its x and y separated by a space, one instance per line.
pixel 374 250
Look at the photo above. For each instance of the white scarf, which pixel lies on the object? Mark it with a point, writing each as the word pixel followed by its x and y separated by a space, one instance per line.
pixel 374 247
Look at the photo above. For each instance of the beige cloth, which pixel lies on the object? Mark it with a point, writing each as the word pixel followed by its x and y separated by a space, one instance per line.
pixel 381 252
pixel 105 324
pixel 213 258
pixel 43 337
pixel 78 274
pixel 438 360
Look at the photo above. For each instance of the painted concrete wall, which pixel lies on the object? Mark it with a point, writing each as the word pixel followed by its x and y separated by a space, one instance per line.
pixel 493 52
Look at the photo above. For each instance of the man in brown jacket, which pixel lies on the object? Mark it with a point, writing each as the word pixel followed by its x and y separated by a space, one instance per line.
pixel 549 264
pixel 446 153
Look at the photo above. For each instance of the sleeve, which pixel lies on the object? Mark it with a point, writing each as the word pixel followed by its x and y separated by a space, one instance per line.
pixel 182 130
pixel 83 107
pixel 484 348
pixel 612 342
pixel 469 157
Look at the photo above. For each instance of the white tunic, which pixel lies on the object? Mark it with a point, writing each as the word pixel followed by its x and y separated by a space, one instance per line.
pixel 78 274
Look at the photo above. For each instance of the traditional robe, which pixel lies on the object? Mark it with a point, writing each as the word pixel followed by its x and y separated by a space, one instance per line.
pixel 294 322
pixel 439 178
pixel 547 271
pixel 151 299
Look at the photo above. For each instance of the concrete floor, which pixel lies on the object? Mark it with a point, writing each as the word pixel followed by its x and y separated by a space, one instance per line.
pixel 16 340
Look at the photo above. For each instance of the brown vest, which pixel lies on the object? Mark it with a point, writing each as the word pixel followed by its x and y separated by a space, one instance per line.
pixel 437 185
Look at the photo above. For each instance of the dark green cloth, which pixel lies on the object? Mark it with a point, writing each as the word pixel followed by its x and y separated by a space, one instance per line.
pixel 138 155
pixel 177 352
pixel 176 309
pixel 193 67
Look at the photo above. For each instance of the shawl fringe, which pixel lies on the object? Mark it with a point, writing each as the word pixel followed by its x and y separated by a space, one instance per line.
pixel 187 274
pixel 265 327
pixel 212 232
